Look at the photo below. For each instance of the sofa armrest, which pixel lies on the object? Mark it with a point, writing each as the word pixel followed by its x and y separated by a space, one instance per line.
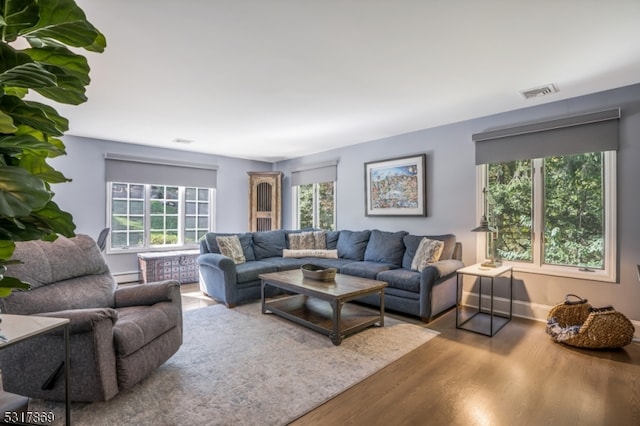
pixel 447 267
pixel 218 278
pixel 147 294
pixel 83 320
pixel 216 260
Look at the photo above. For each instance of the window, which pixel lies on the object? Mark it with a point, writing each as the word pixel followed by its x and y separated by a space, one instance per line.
pixel 315 205
pixel 556 214
pixel 314 196
pixel 145 216
pixel 551 192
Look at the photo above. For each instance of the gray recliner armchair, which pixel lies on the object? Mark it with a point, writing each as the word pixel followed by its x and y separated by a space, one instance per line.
pixel 118 336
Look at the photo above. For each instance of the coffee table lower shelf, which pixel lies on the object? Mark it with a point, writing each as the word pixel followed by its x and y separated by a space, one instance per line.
pixel 319 315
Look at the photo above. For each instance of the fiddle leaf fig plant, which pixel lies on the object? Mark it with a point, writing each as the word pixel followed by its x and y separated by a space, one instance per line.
pixel 36 42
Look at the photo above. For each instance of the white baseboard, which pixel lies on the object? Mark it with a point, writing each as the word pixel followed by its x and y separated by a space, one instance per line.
pixel 127 277
pixel 528 310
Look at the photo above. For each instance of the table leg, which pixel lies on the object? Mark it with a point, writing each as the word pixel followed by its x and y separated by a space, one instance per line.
pixel 67 376
pixel 381 308
pixel 336 335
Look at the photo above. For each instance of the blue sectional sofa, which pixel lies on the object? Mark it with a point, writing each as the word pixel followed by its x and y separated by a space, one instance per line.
pixel 374 254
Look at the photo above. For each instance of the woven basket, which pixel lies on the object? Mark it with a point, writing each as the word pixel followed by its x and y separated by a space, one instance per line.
pixel 577 323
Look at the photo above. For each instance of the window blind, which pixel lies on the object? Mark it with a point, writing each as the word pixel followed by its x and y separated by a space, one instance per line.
pixel 591 132
pixel 124 168
pixel 325 172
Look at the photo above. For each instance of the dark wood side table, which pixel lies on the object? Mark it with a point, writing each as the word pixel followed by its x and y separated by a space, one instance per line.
pixel 482 320
pixel 17 328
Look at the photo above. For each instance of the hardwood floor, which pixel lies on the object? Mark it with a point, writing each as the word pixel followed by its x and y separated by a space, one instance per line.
pixel 518 377
pixel 193 298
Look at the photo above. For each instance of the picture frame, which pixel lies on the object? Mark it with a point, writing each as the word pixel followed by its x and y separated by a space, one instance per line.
pixel 396 186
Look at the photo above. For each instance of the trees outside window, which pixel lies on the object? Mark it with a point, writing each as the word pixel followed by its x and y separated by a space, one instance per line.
pixel 555 214
pixel 315 205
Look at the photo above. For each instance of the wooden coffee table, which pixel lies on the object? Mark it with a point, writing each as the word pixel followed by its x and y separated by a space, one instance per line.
pixel 322 305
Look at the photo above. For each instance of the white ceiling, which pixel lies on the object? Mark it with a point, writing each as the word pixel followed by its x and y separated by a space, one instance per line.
pixel 276 79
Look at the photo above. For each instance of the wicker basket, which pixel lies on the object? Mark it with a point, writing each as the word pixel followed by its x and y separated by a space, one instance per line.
pixel 577 323
pixel 317 272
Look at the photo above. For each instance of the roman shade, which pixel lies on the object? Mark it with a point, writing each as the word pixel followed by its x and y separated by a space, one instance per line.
pixel 324 172
pixel 577 134
pixel 130 169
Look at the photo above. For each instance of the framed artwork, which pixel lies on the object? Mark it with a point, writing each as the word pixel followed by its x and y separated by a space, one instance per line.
pixel 396 187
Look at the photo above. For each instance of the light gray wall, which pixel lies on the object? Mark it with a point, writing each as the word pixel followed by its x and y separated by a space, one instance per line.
pixel 451 194
pixel 85 197
pixel 451 182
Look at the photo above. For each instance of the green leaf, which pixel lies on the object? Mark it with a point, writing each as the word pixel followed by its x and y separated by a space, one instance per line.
pixel 6 249
pixel 74 65
pixel 54 220
pixel 11 58
pixel 39 167
pixel 68 89
pixel 11 283
pixel 29 114
pixel 27 143
pixel 64 21
pixel 29 76
pixel 17 15
pixel 21 193
pixel 13 229
pixel 6 123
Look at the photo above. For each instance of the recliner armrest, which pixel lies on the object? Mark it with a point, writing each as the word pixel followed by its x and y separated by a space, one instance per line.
pixel 147 294
pixel 83 320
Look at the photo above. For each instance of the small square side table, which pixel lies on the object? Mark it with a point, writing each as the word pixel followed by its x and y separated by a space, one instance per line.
pixel 16 328
pixel 483 321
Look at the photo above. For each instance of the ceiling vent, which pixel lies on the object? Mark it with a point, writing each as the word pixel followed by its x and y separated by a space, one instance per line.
pixel 539 91
pixel 183 141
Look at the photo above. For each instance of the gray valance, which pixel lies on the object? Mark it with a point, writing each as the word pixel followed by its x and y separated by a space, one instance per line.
pixel 325 172
pixel 130 169
pixel 591 132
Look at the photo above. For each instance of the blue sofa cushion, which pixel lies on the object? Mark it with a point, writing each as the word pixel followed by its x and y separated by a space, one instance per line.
pixel 352 244
pixel 285 263
pixel 402 279
pixel 249 271
pixel 246 240
pixel 332 239
pixel 411 243
pixel 328 263
pixel 269 244
pixel 365 269
pixel 385 247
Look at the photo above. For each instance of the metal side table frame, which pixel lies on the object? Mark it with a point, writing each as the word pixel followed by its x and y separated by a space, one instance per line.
pixel 476 321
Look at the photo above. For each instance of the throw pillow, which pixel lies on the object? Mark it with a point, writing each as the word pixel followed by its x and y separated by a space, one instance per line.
pixel 307 240
pixel 320 240
pixel 326 254
pixel 230 246
pixel 429 251
pixel 301 241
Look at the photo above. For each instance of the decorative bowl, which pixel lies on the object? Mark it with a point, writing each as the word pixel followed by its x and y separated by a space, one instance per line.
pixel 317 272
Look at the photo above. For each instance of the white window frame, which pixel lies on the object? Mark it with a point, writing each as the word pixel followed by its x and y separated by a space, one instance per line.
pixel 609 271
pixel 295 214
pixel 147 247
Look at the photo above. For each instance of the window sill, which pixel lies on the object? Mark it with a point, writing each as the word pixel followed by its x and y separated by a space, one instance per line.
pixel 136 250
pixel 593 275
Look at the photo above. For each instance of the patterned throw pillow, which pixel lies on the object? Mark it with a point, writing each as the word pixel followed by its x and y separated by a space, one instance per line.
pixel 308 240
pixel 428 251
pixel 230 246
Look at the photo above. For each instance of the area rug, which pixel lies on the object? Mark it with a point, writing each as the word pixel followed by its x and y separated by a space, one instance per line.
pixel 240 367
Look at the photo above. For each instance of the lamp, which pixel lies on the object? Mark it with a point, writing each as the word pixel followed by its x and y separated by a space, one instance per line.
pixel 489 230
